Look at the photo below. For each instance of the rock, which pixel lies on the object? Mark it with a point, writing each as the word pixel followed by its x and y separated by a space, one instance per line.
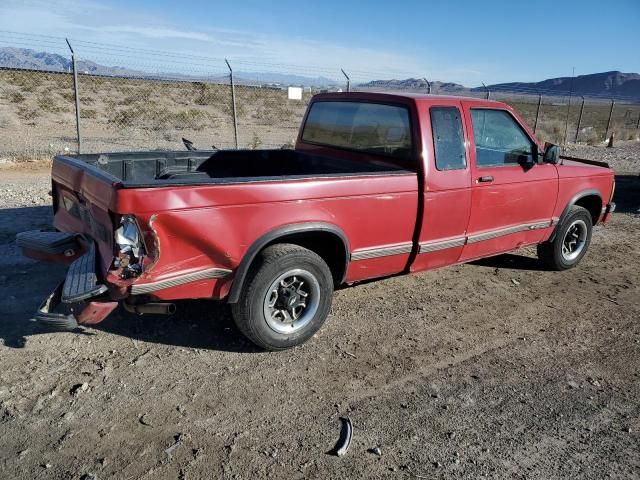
pixel 573 384
pixel 404 405
pixel 375 451
pixel 89 476
pixel 79 388
pixel 515 282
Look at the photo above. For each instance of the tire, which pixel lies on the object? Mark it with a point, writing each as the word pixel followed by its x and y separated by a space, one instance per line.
pixel 273 295
pixel 575 229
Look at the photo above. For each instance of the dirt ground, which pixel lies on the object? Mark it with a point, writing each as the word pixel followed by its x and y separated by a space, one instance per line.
pixel 496 369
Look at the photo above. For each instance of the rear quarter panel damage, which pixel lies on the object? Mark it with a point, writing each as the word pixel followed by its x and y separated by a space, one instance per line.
pixel 200 227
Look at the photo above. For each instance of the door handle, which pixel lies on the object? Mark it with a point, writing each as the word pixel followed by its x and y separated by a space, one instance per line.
pixel 485 179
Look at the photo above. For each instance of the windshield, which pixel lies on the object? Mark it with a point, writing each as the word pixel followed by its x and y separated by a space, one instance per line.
pixel 366 127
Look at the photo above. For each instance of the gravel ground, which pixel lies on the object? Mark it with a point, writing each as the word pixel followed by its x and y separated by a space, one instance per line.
pixel 496 369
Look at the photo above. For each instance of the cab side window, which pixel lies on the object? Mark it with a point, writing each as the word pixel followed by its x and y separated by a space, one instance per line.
pixel 499 139
pixel 448 138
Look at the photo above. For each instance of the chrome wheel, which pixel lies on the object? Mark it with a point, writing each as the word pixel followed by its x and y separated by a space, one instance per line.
pixel 574 240
pixel 291 301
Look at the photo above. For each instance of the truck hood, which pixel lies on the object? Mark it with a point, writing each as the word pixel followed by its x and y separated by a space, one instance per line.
pixel 571 168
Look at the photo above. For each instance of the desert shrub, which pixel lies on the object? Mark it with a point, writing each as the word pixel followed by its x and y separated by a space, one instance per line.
pixel 90 113
pixel 28 88
pixel 7 119
pixel 274 112
pixel 150 117
pixel 211 94
pixel 191 118
pixel 126 117
pixel 16 97
pixel 27 113
pixel 627 134
pixel 68 96
pixel 48 104
pixel 255 141
pixel 589 136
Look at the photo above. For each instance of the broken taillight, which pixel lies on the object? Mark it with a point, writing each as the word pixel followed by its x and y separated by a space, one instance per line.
pixel 131 249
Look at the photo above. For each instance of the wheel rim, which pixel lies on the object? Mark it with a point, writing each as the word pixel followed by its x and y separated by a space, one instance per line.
pixel 291 301
pixel 574 240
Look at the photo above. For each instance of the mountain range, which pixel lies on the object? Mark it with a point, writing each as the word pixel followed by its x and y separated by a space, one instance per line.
pixel 613 83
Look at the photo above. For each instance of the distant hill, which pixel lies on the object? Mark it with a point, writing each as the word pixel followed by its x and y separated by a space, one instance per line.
pixel 605 83
pixel 30 59
pixel 417 84
pixel 600 84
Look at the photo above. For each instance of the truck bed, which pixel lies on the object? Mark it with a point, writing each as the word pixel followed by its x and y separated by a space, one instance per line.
pixel 162 168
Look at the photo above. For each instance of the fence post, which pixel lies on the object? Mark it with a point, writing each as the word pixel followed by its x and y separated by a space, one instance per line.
pixel 487 89
pixel 428 85
pixel 566 123
pixel 233 104
pixel 348 79
pixel 76 96
pixel 606 134
pixel 535 124
pixel 575 140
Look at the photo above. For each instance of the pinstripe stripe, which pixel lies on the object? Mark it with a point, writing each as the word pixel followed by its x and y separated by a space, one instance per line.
pixel 427 247
pixel 479 237
pixel 434 246
pixel 376 252
pixel 180 280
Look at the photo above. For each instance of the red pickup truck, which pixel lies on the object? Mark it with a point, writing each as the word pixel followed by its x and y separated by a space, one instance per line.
pixel 377 185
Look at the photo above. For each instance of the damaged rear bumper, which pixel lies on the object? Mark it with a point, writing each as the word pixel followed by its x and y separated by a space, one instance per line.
pixel 82 297
pixel 59 315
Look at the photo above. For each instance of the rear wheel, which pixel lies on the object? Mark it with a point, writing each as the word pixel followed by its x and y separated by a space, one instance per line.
pixel 571 240
pixel 286 299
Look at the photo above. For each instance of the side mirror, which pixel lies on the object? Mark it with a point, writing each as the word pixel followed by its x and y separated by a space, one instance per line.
pixel 551 154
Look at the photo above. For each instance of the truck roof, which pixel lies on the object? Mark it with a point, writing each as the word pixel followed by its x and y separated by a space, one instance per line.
pixel 403 97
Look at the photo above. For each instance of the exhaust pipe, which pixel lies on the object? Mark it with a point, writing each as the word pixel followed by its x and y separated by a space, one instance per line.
pixel 151 308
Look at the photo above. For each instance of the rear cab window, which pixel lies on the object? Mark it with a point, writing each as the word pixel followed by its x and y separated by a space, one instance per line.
pixel 375 128
pixel 499 139
pixel 448 138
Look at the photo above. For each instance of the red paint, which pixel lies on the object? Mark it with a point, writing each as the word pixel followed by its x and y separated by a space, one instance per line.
pixel 191 228
pixel 94 312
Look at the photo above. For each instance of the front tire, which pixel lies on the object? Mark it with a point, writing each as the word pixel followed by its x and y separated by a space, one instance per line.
pixel 571 241
pixel 286 298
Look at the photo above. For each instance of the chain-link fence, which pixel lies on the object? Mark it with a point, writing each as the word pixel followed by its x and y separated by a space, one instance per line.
pixel 152 100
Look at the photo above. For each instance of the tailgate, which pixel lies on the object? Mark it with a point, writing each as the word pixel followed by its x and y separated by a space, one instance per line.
pixel 83 199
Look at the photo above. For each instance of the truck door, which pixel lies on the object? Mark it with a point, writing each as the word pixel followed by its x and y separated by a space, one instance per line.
pixel 512 199
pixel 445 187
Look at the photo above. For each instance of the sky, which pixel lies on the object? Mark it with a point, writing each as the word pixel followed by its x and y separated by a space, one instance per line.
pixel 461 41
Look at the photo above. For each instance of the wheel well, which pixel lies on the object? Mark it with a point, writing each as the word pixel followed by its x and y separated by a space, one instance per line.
pixel 325 239
pixel 593 204
pixel 326 244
